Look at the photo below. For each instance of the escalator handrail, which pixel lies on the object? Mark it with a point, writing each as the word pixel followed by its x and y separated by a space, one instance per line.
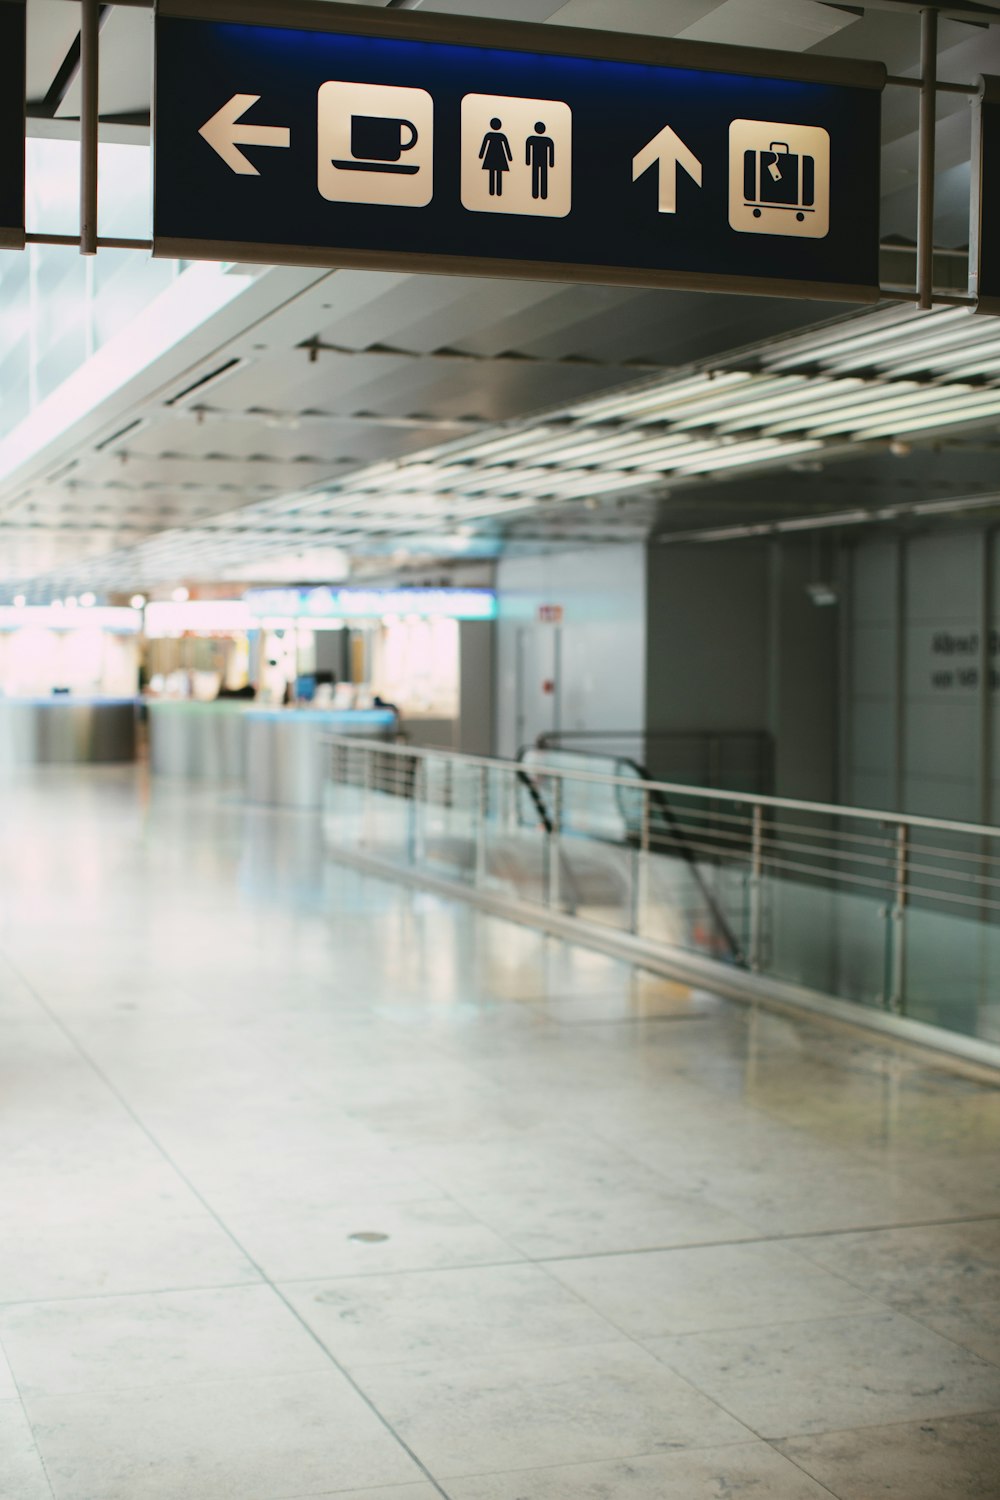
pixel 659 800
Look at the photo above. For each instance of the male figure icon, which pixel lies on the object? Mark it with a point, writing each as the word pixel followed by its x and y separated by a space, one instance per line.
pixel 539 155
pixel 496 156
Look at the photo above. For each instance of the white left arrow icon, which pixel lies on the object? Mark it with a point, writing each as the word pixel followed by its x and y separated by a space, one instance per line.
pixel 225 132
pixel 670 152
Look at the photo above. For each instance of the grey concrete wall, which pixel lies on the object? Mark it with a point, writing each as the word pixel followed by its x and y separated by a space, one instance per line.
pixel 597 656
pixel 735 642
pixel 476 692
pixel 922 694
pixel 707 642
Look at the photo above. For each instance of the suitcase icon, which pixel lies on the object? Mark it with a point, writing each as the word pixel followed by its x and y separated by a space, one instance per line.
pixel 779 178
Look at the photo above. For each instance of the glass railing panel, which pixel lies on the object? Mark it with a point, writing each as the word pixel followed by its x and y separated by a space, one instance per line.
pixel 447 816
pixel 831 940
pixel 952 972
pixel 512 860
pixel 698 906
pixel 598 880
pixel 390 822
pixel 886 914
pixel 695 892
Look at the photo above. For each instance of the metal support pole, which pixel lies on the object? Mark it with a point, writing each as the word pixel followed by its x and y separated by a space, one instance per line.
pixel 482 809
pixel 369 787
pixel 89 74
pixel 642 880
pixel 419 798
pixel 926 144
pixel 756 887
pixel 632 868
pixel 897 931
pixel 554 872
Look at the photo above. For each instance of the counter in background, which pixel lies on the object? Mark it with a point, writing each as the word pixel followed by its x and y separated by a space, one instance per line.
pixel 285 755
pixel 66 730
pixel 199 741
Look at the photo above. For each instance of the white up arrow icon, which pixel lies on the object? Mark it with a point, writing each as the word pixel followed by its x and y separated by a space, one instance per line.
pixel 225 134
pixel 670 152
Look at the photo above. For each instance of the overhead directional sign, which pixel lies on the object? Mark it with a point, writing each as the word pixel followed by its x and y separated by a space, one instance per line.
pixel 984 225
pixel 12 45
pixel 337 135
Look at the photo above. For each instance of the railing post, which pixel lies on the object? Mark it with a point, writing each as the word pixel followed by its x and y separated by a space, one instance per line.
pixel 642 882
pixel 419 795
pixel 554 881
pixel 897 929
pixel 634 871
pixel 368 788
pixel 756 888
pixel 482 809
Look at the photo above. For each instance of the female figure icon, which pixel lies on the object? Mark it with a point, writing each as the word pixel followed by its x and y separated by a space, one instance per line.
pixel 496 156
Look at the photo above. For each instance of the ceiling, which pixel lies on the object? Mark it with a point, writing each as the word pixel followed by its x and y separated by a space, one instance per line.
pixel 363 410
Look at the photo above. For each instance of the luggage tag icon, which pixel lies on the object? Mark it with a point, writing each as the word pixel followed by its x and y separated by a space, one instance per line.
pixel 779 179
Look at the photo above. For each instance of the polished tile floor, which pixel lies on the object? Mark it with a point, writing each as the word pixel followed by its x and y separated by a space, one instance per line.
pixel 314 1185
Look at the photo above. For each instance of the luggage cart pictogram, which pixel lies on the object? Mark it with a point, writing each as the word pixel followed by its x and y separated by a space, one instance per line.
pixel 779 178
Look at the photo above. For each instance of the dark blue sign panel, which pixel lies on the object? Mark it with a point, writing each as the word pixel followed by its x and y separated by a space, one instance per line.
pixel 984 227
pixel 396 151
pixel 12 124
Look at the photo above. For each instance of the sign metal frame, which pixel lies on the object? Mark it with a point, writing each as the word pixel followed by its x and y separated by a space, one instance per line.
pixel 12 235
pixel 984 218
pixel 545 40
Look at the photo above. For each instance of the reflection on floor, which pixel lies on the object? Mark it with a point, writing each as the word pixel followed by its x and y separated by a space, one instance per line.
pixel 314 1185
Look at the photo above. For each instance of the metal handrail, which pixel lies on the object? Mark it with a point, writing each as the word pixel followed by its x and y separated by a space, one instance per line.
pixel 764 848
pixel 681 789
pixel 682 843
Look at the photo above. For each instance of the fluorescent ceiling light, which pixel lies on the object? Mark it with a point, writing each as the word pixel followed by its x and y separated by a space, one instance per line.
pixel 750 454
pixel 909 404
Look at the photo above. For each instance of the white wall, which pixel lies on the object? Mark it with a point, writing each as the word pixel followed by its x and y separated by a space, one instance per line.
pixel 601 643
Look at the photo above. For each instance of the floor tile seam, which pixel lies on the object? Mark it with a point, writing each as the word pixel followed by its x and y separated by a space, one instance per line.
pixel 21 1403
pixel 613 1338
pixel 950 1415
pixel 585 1302
pixel 771 1439
pixel 878 1312
pixel 34 1396
pixel 773 1444
pixel 782 1238
pixel 9 1304
pixel 848 1277
pixel 366 1489
pixel 939 1312
pixel 583 1463
pixel 640 1338
pixel 345 1375
pixel 617 1145
pixel 965 1416
pixel 325 1277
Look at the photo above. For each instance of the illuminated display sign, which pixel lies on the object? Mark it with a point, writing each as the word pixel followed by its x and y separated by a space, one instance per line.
pixel 199 616
pixel 372 604
pixel 58 617
pixel 328 135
